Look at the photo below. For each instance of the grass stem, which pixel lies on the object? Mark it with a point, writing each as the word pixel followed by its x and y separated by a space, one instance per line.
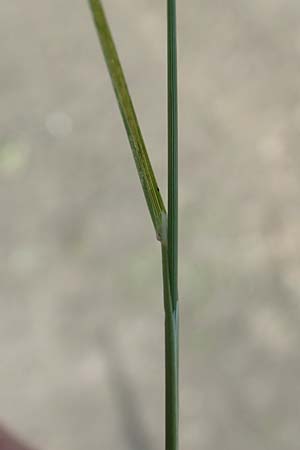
pixel 172 343
pixel 172 149
pixel 171 359
pixel 166 226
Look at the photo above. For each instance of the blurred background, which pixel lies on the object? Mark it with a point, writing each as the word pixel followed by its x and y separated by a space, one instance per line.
pixel 81 334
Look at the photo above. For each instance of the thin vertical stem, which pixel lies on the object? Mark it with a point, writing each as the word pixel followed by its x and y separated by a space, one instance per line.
pixel 172 151
pixel 166 226
pixel 172 318
pixel 171 360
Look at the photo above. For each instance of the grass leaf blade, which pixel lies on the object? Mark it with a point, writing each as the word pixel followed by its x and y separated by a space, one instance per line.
pixel 147 178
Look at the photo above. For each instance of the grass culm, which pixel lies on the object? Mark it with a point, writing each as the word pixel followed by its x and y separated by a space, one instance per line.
pixel 165 222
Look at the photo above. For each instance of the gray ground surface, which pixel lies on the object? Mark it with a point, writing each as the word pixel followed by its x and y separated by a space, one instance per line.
pixel 81 310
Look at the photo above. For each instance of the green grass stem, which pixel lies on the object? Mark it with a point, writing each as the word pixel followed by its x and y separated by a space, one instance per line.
pixel 172 343
pixel 172 150
pixel 166 226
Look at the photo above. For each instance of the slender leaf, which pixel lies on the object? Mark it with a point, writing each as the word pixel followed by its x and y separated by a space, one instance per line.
pixel 148 181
